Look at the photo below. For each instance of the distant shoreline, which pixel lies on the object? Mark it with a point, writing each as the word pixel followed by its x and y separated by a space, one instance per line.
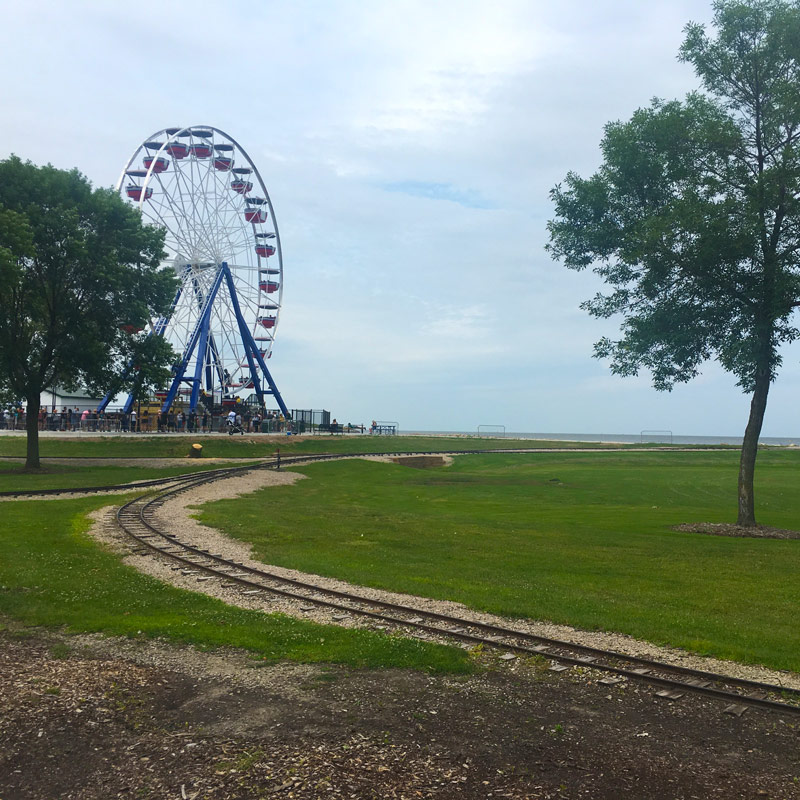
pixel 612 438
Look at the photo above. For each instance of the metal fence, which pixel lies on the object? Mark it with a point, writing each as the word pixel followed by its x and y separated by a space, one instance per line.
pixel 311 418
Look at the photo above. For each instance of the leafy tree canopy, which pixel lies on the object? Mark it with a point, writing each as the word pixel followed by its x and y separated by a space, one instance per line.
pixel 77 267
pixel 692 219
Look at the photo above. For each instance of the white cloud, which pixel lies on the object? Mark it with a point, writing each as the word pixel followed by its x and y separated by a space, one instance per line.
pixel 409 148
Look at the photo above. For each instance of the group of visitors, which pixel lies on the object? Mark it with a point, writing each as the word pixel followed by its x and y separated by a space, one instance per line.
pixel 74 418
pixel 11 417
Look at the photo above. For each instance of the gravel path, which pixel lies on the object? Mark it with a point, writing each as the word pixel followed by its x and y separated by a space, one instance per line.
pixel 175 515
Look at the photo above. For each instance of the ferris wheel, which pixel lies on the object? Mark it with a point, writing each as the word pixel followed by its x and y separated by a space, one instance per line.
pixel 222 240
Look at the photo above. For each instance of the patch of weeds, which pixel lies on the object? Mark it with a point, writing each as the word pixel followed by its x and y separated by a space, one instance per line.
pixel 127 704
pixel 243 762
pixel 60 650
pixel 22 634
pixel 536 666
pixel 322 678
pixel 54 690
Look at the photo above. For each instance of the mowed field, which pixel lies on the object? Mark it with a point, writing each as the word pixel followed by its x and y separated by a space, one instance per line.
pixel 582 539
pixel 220 445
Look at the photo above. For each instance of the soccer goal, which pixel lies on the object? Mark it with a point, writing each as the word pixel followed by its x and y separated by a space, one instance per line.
pixel 492 430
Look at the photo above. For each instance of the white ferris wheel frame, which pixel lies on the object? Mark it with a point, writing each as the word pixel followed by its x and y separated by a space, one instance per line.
pixel 203 232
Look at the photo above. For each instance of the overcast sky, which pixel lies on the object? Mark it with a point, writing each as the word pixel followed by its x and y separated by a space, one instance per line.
pixel 408 148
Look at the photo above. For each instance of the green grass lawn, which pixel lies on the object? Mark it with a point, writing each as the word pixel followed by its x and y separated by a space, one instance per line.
pixel 576 538
pixel 13 476
pixel 258 446
pixel 52 573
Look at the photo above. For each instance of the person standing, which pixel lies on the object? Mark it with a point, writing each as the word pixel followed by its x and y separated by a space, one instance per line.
pixel 133 420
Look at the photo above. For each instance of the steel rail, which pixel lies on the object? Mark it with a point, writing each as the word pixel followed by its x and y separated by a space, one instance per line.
pixel 285 460
pixel 698 685
pixel 120 487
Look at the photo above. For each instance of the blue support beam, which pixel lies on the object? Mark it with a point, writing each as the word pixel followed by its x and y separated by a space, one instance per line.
pixel 202 350
pixel 202 323
pixel 253 353
pixel 207 358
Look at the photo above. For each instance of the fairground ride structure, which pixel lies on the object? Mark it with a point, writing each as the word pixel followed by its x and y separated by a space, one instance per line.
pixel 222 240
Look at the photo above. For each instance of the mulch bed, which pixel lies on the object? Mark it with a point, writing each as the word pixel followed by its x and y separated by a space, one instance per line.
pixel 79 726
pixel 747 532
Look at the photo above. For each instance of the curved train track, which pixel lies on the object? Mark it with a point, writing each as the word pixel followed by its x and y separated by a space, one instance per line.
pixel 117 488
pixel 138 519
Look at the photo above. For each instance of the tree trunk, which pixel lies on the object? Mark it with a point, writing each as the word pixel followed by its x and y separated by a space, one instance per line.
pixel 32 429
pixel 747 462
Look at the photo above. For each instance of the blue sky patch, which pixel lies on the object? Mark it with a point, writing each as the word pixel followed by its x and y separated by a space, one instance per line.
pixel 439 191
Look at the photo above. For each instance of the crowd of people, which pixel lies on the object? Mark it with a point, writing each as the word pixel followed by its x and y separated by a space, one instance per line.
pixel 72 418
pixel 249 419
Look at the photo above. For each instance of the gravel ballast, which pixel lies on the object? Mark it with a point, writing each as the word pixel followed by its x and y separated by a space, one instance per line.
pixel 175 516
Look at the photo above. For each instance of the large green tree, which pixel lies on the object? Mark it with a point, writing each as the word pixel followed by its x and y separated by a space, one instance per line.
pixel 693 219
pixel 77 268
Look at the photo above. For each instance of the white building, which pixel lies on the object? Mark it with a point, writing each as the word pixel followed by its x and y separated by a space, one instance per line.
pixel 59 398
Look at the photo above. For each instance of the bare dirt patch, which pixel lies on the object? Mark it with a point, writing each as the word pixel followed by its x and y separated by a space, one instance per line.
pixel 422 462
pixel 748 532
pixel 81 722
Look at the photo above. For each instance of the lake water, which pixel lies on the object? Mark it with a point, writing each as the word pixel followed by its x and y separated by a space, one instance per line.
pixel 626 438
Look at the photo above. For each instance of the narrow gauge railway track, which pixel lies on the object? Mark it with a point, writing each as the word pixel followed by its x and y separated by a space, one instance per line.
pixel 188 477
pixel 316 457
pixel 138 519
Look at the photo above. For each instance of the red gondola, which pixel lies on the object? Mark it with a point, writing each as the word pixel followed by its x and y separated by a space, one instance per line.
pixel 255 215
pixel 268 286
pixel 131 328
pixel 265 250
pixel 242 187
pixel 159 163
pixel 200 150
pixel 267 322
pixel 177 149
pixel 223 163
pixel 135 192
